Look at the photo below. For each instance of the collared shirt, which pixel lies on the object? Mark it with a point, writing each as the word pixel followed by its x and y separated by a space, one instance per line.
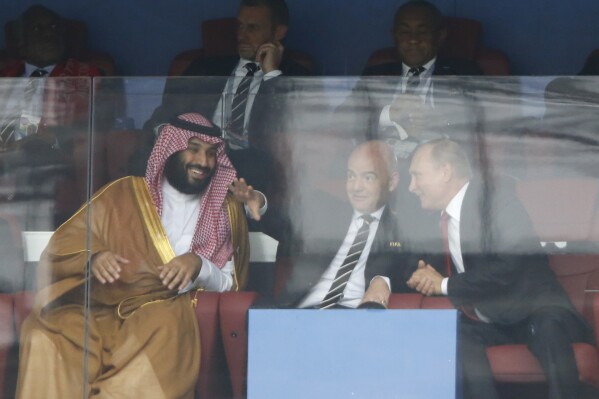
pixel 454 211
pixel 180 213
pixel 24 105
pixel 424 89
pixel 222 113
pixel 356 286
pixel 425 78
pixel 30 68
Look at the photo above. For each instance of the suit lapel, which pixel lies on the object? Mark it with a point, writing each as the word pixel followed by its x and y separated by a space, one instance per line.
pixel 471 228
pixel 382 239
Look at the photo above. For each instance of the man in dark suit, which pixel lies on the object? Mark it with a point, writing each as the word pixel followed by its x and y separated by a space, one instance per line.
pixel 403 110
pixel 494 270
pixel 44 123
pixel 419 31
pixel 591 66
pixel 336 265
pixel 250 131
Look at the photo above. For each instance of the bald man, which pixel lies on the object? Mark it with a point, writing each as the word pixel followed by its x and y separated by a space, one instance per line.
pixel 350 253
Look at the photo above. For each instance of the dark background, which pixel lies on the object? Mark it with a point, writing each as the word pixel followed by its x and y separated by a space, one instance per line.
pixel 540 37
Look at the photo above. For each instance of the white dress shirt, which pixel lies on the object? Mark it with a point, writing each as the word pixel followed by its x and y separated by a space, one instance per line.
pixel 30 68
pixel 356 286
pixel 223 109
pixel 24 105
pixel 180 213
pixel 425 90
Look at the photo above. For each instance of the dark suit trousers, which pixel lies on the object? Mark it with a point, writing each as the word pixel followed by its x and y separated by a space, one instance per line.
pixel 548 333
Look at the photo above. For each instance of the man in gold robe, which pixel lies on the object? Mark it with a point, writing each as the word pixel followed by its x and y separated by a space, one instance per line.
pixel 122 328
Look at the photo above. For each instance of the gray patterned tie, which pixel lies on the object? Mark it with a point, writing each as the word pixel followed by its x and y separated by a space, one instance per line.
pixel 240 101
pixel 413 79
pixel 335 293
pixel 7 132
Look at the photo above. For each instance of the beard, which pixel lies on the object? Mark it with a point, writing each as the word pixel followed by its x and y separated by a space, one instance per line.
pixel 176 174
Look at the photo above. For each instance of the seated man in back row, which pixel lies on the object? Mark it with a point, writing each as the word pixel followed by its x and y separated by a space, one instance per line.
pixel 49 108
pixel 147 241
pixel 238 92
pixel 44 122
pixel 493 268
pixel 339 266
pixel 411 105
pixel 244 95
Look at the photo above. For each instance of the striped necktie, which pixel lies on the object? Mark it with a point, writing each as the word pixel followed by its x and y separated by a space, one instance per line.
pixel 240 101
pixel 413 79
pixel 335 293
pixel 8 132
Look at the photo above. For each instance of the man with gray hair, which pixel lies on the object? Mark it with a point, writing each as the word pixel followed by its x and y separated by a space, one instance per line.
pixel 492 268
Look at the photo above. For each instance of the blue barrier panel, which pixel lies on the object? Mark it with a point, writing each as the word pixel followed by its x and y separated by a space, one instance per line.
pixel 353 354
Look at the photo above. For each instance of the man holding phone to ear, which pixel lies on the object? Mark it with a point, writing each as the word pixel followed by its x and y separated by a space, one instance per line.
pixel 248 121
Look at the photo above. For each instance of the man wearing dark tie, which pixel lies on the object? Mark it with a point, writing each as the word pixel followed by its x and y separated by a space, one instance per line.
pixel 349 254
pixel 493 269
pixel 413 108
pixel 44 121
pixel 244 94
pixel 47 107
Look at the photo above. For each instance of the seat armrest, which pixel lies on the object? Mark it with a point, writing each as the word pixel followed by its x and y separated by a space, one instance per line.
pixel 233 311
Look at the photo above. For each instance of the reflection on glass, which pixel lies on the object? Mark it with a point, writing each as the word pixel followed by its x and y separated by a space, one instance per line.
pixel 526 238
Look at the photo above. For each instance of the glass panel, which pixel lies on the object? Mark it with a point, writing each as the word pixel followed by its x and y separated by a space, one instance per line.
pixel 531 147
pixel 44 158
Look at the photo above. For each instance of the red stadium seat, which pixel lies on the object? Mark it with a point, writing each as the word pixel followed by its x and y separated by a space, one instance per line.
pixel 182 60
pixel 436 302
pixel 233 322
pixel 7 341
pixel 219 39
pixel 213 381
pixel 405 301
pixel 23 303
pixel 515 364
pixel 120 145
pixel 579 275
pixel 561 210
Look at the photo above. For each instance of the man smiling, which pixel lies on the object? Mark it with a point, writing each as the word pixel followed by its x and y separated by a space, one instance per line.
pixel 414 106
pixel 495 271
pixel 336 265
pixel 147 240
pixel 248 121
pixel 188 175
